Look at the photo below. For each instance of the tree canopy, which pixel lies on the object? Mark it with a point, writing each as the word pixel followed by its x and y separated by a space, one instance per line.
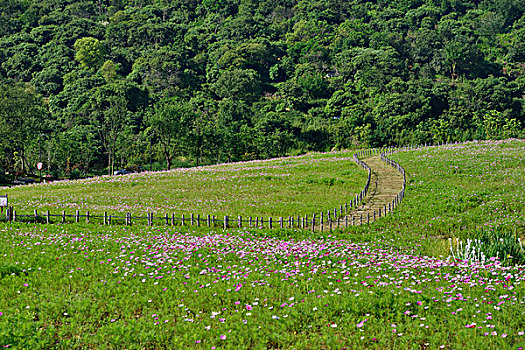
pixel 107 83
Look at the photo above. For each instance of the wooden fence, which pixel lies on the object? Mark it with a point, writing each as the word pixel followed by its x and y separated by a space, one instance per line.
pixel 343 216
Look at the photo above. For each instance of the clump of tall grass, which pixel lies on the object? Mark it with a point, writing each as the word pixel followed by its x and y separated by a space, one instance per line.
pixel 488 244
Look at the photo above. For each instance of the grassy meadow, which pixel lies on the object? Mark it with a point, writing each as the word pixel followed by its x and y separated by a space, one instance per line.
pixel 300 185
pixel 389 285
pixel 458 190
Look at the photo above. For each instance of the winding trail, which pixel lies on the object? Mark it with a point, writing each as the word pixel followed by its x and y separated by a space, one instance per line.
pixel 385 183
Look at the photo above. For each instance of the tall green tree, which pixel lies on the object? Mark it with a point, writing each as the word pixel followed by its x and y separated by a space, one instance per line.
pixel 22 119
pixel 170 123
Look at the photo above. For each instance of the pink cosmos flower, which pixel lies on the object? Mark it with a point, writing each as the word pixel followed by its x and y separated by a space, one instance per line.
pixel 360 324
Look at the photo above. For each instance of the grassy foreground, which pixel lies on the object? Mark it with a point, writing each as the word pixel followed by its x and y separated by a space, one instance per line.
pixel 90 287
pixel 383 286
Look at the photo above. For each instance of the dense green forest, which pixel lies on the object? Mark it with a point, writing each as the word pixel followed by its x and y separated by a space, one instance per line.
pixel 91 86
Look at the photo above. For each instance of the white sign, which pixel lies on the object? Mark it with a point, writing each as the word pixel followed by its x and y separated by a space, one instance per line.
pixel 3 201
pixel 39 166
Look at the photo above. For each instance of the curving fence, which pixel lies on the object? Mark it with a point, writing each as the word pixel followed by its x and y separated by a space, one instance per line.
pixel 348 214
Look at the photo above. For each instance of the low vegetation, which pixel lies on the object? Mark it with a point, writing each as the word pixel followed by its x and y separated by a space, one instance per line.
pixel 392 284
pixel 300 185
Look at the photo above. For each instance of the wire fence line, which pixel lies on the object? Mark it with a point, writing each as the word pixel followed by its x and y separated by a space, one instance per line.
pixel 343 216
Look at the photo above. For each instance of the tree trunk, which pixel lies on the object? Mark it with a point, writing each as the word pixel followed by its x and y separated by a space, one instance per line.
pixel 167 154
pixel 168 161
pixel 109 163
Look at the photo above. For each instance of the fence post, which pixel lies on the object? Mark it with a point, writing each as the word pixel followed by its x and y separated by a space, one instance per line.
pixel 239 221
pixel 367 217
pixel 14 215
pixel 109 220
pixel 313 222
pixel 361 218
pixel 36 216
pixel 330 223
pixel 346 221
pixel 270 222
pixel 250 222
pixel 225 222
pixel 281 221
pixel 48 216
pixel 77 216
pixel 209 221
pixel 104 219
pixel 182 220
pixel 257 221
pixel 87 216
pixel 172 219
pixel 192 220
pixel 167 218
pixel 374 215
pixel 63 216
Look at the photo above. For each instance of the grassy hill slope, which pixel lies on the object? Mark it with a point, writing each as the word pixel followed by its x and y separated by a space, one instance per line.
pixel 300 185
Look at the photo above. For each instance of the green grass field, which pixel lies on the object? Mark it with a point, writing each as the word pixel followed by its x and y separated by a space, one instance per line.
pixel 388 285
pixel 300 185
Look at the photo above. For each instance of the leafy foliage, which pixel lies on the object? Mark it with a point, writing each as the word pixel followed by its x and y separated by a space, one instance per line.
pixel 267 78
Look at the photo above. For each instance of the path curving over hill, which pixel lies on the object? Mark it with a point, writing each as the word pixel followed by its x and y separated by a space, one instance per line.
pixel 385 184
pixel 385 187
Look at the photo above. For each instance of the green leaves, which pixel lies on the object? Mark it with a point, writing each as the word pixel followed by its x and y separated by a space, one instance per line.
pixel 339 72
pixel 89 52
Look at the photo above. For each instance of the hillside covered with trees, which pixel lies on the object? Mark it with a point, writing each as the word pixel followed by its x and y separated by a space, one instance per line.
pixel 92 85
